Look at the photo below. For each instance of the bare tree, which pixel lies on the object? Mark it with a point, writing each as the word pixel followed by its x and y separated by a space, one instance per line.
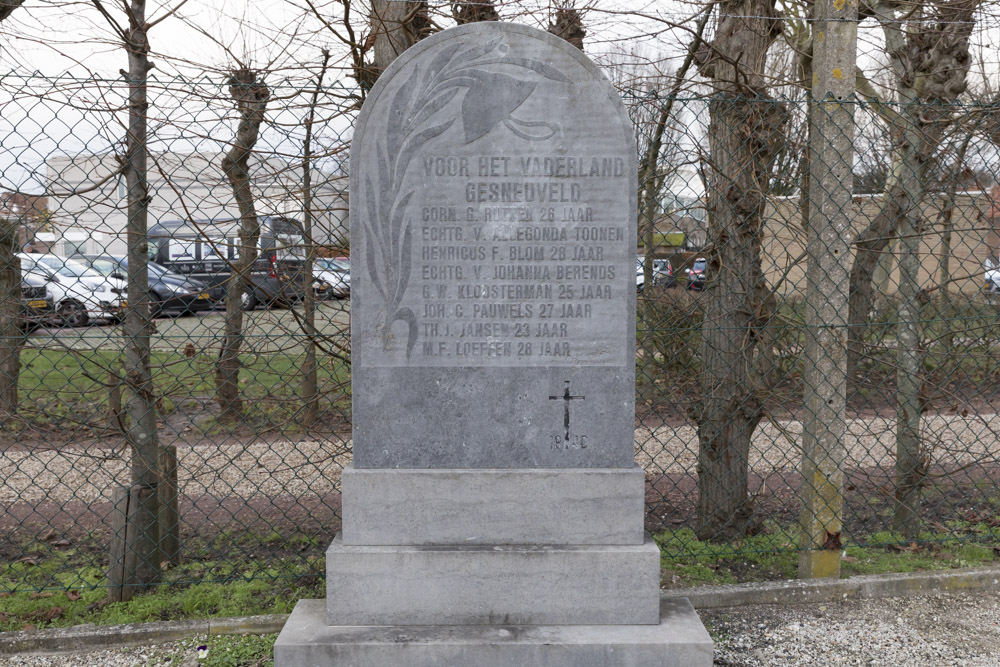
pixel 746 127
pixel 396 26
pixel 310 388
pixel 466 12
pixel 928 44
pixel 7 7
pixel 251 95
pixel 929 49
pixel 11 337
pixel 135 548
pixel 567 23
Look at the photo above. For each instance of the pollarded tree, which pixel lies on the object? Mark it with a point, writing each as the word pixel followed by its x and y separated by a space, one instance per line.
pixel 746 127
pixel 928 46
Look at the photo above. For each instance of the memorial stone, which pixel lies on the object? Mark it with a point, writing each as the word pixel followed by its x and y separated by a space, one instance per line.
pixel 493 240
pixel 493 513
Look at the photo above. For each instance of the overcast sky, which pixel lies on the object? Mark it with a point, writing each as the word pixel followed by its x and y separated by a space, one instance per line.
pixel 203 38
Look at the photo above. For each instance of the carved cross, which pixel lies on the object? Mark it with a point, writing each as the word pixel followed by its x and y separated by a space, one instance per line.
pixel 566 398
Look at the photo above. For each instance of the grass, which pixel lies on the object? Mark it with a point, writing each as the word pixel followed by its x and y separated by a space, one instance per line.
pixel 65 588
pixel 772 555
pixel 63 388
pixel 227 651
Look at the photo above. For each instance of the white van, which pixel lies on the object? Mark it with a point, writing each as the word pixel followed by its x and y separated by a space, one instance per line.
pixel 78 292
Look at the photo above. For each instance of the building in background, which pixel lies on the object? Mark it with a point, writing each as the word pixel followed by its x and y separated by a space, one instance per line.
pixel 89 200
pixel 29 214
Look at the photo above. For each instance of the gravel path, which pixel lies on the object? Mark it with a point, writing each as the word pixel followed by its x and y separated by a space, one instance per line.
pixel 936 630
pixel 285 467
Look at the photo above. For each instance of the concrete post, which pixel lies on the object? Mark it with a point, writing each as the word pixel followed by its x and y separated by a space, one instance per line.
pixel 831 156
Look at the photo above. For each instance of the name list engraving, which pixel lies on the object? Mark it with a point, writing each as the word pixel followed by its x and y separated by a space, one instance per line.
pixel 524 269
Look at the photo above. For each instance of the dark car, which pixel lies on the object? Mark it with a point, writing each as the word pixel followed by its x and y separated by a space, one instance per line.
pixel 207 250
pixel 696 274
pixel 36 305
pixel 167 290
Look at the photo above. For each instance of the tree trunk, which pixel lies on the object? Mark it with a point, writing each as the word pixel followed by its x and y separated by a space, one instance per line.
pixel 928 46
pixel 310 383
pixel 397 25
pixel 11 337
pixel 745 126
pixel 251 96
pixel 944 268
pixel 7 8
pixel 142 564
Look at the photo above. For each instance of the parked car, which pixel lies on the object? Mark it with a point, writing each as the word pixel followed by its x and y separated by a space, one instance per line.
pixel 207 249
pixel 663 273
pixel 78 292
pixel 992 277
pixel 36 304
pixel 167 290
pixel 696 274
pixel 336 273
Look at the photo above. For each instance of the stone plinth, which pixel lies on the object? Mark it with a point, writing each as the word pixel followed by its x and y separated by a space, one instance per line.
pixel 482 584
pixel 678 640
pixel 468 507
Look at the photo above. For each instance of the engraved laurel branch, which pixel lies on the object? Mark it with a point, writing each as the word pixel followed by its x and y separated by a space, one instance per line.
pixel 490 98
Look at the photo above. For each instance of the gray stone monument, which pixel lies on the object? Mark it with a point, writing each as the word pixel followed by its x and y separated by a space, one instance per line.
pixel 494 510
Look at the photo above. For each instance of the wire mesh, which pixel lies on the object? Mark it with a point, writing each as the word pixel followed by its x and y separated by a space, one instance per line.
pixel 256 486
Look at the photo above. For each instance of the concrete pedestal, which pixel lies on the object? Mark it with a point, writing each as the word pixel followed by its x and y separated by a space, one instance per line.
pixel 678 640
pixel 491 506
pixel 478 584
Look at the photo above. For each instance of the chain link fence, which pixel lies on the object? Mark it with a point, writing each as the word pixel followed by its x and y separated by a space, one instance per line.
pixel 249 463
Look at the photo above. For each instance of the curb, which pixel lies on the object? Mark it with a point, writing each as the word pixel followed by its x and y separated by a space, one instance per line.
pixel 865 586
pixel 90 637
pixel 95 637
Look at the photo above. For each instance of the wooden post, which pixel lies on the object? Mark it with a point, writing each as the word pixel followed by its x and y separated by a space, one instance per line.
pixel 169 517
pixel 129 569
pixel 831 137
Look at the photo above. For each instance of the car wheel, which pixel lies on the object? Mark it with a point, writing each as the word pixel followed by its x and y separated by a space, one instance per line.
pixel 248 300
pixel 72 314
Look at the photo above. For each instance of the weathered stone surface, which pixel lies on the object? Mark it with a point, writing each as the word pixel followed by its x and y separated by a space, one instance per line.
pixel 679 640
pixel 567 506
pixel 493 181
pixel 473 585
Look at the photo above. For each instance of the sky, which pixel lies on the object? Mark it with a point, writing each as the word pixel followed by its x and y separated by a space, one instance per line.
pixel 69 43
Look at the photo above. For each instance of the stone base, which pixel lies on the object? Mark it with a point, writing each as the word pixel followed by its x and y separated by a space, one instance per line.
pixel 493 506
pixel 486 585
pixel 678 640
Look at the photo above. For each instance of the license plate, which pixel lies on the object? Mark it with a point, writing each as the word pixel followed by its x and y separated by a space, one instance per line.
pixel 204 296
pixel 37 304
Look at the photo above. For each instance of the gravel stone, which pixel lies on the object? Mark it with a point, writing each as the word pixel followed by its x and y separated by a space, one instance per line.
pixel 123 657
pixel 938 630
